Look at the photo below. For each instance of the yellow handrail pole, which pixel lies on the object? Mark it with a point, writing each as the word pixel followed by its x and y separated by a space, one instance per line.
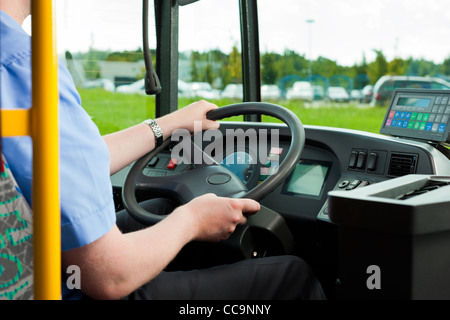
pixel 15 123
pixel 45 134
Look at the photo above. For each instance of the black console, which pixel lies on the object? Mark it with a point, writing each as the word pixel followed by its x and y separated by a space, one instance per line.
pixel 394 235
pixel 400 229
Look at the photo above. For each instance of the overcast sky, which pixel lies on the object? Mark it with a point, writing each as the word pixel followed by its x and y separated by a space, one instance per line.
pixel 342 30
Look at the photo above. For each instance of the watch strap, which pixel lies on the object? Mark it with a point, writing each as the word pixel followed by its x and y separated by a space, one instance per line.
pixel 156 131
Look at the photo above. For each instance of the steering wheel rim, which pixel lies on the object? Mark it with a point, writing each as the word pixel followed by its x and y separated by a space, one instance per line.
pixel 257 193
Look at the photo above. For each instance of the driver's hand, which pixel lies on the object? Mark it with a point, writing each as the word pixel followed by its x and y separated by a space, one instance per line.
pixel 215 218
pixel 191 117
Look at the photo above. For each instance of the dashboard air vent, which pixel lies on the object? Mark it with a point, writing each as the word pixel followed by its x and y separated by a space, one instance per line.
pixel 402 164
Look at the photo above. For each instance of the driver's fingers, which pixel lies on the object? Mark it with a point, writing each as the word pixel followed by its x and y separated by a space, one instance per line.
pixel 248 207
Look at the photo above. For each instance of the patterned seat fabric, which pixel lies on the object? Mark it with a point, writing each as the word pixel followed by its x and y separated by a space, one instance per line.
pixel 16 243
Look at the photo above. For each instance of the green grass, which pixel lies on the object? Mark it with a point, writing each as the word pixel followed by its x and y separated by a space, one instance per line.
pixel 114 111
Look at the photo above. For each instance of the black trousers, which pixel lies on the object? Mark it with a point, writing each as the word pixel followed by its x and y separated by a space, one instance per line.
pixel 271 278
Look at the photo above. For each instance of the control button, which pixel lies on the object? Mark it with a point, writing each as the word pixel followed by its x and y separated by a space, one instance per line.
pixel 353 185
pixel 264 173
pixel 423 125
pixel 435 127
pixel 343 184
pixel 353 159
pixel 361 160
pixel 219 178
pixel 363 184
pixel 274 150
pixel 432 117
pixel 372 161
pixel 325 210
pixel 172 164
pixel 153 162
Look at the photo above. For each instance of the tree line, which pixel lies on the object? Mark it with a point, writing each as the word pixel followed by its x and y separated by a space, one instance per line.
pixel 276 66
pixel 219 68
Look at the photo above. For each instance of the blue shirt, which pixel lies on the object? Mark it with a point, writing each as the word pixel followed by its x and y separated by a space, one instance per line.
pixel 87 206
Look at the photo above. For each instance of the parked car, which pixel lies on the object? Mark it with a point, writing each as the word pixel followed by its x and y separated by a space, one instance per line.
pixel 367 93
pixel 385 86
pixel 270 92
pixel 204 90
pixel 135 87
pixel 338 94
pixel 356 95
pixel 319 92
pixel 185 90
pixel 105 84
pixel 233 91
pixel 301 90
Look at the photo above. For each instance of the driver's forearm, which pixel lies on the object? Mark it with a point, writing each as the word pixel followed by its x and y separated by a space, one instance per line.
pixel 130 144
pixel 117 264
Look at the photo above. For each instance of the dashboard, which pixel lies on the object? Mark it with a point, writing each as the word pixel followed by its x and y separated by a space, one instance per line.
pixel 333 160
pixel 346 184
pixel 338 159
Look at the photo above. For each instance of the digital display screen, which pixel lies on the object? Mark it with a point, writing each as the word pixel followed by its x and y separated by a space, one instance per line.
pixel 414 102
pixel 308 178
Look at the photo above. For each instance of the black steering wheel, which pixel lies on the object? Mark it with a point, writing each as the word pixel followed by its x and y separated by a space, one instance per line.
pixel 214 178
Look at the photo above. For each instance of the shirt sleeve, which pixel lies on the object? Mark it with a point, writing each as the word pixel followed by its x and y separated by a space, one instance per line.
pixel 87 205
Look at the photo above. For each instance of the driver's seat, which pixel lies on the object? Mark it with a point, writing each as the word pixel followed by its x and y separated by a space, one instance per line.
pixel 16 244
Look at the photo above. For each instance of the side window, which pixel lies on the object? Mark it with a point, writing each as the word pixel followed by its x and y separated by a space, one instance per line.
pixel 439 86
pixel 388 86
pixel 349 44
pixel 101 44
pixel 210 52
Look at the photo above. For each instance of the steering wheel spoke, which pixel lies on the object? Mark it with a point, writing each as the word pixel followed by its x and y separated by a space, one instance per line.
pixel 192 183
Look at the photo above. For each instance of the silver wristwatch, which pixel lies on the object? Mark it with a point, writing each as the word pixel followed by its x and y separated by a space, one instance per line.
pixel 156 131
